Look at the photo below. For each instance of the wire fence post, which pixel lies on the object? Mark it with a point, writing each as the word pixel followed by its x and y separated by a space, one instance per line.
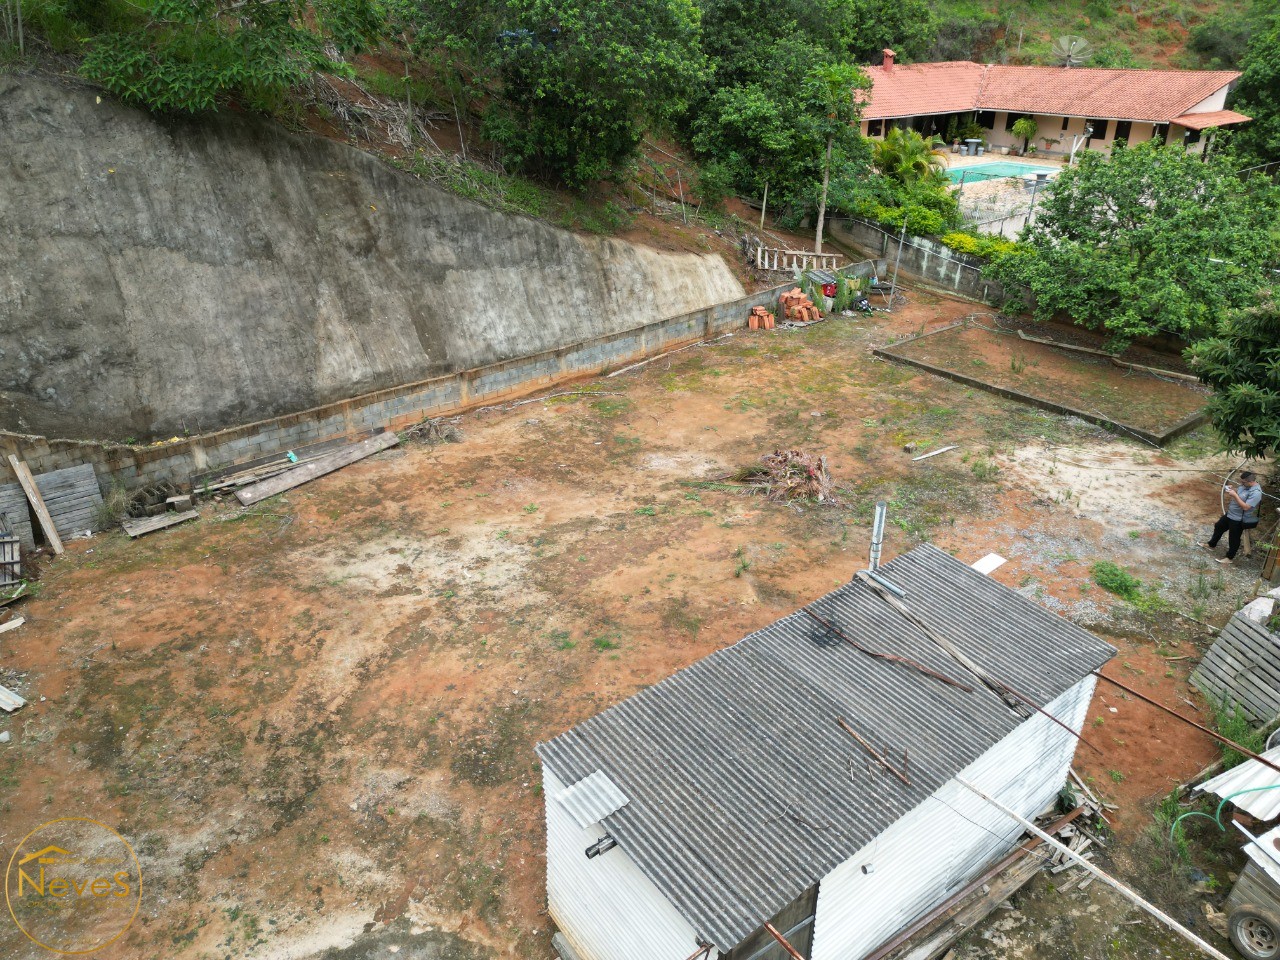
pixel 893 286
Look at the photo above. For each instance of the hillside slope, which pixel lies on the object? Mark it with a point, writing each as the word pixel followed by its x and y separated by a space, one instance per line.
pixel 166 276
pixel 1135 33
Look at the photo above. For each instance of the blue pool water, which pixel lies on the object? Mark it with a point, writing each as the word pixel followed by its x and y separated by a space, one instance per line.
pixel 991 171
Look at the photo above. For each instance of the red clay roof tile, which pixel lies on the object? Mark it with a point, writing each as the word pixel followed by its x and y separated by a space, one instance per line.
pixel 1159 96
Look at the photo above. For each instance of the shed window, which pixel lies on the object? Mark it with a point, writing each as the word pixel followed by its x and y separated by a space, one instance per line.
pixel 1099 129
pixel 1066 122
pixel 1123 128
pixel 1160 132
pixel 875 128
pixel 986 119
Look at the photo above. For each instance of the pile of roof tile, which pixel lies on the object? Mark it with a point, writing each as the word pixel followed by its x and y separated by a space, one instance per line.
pixel 797 307
pixel 760 319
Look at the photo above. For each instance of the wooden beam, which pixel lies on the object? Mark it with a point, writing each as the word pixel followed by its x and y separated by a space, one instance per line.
pixel 13 624
pixel 300 475
pixel 28 482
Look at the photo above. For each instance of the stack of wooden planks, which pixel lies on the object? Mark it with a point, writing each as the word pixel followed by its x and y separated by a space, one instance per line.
pixel 316 468
pixel 230 478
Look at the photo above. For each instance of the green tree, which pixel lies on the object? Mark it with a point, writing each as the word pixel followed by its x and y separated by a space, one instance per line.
pixel 1151 240
pixel 1258 94
pixel 836 86
pixel 192 55
pixel 907 158
pixel 579 79
pixel 1242 364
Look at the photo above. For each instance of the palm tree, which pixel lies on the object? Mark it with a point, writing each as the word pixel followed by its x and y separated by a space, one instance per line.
pixel 907 157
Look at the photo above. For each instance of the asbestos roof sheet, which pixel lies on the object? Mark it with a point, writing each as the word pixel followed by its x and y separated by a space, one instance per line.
pixel 592 799
pixel 744 791
pixel 1157 96
pixel 1263 800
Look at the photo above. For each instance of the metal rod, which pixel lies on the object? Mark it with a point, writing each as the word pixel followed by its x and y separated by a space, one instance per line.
pixel 700 952
pixel 893 287
pixel 877 534
pixel 893 588
pixel 873 751
pixel 1119 887
pixel 773 931
pixel 997 686
pixel 891 657
pixel 1203 729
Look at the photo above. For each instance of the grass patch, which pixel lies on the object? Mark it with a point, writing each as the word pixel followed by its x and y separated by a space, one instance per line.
pixel 1232 723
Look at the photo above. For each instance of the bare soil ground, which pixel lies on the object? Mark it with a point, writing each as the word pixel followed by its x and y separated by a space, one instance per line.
pixel 315 718
pixel 1091 385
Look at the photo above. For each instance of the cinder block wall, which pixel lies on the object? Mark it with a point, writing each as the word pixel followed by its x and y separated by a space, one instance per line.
pixel 136 467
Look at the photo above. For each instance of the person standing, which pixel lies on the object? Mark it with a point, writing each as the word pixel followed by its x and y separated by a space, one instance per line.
pixel 1241 515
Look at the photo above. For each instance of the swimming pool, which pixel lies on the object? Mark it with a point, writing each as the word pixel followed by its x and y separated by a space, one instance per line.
pixel 992 171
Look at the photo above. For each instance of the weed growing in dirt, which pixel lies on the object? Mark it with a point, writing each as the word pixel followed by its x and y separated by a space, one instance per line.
pixel 1115 579
pixel 605 642
pixel 743 564
pixel 1234 724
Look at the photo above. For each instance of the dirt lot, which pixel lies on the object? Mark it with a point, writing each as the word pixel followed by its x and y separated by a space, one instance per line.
pixel 315 718
pixel 1090 385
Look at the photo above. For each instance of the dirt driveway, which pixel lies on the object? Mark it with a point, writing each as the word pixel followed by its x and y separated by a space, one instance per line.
pixel 315 718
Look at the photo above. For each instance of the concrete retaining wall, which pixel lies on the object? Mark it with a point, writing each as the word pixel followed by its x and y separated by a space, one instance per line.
pixel 135 467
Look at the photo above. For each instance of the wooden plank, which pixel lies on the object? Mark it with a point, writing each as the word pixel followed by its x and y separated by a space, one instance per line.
pixel 300 475
pixel 933 453
pixel 13 624
pixel 10 701
pixel 198 480
pixel 139 528
pixel 23 473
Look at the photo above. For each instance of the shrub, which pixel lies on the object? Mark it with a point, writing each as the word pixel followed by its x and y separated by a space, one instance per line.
pixel 1115 579
pixel 989 248
pixel 1234 724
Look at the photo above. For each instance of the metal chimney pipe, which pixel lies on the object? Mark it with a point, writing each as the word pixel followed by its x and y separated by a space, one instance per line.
pixel 877 534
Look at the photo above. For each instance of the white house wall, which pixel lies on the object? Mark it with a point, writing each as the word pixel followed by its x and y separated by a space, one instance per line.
pixel 605 907
pixel 949 838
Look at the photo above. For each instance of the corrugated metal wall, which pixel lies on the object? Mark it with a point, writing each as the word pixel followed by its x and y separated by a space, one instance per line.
pixel 605 907
pixel 949 838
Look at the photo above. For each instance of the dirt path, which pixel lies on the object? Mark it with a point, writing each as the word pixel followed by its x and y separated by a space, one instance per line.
pixel 315 718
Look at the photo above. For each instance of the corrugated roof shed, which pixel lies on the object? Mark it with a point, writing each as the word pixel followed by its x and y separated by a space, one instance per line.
pixel 1159 96
pixel 744 791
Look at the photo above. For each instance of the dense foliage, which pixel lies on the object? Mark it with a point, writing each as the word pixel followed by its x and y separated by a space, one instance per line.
pixel 1242 364
pixel 1151 240
pixel 189 55
pixel 1258 93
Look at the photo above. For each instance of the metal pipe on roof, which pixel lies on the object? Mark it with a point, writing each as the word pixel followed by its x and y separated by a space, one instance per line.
pixel 1225 741
pixel 998 687
pixel 877 534
pixel 1106 878
pixel 792 951
pixel 891 657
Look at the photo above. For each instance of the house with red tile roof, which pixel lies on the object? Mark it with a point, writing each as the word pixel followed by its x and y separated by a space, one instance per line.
pixel 1079 107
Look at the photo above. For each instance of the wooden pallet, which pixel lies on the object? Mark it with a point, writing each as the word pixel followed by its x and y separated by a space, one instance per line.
pixel 1243 666
pixel 17 513
pixel 73 499
pixel 140 528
